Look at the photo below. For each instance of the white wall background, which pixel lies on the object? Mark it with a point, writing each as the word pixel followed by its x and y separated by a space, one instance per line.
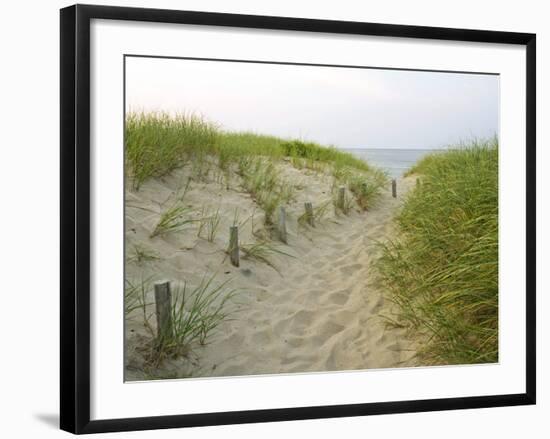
pixel 29 201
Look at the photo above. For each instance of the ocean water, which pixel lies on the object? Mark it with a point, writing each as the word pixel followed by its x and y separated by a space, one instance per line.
pixel 394 161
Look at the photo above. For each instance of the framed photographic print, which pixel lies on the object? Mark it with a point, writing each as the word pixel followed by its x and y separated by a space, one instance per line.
pixel 268 218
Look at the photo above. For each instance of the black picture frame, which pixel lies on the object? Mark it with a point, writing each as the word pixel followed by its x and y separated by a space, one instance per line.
pixel 75 217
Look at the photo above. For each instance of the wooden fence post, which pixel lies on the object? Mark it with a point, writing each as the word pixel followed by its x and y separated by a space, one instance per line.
pixel 341 197
pixel 394 188
pixel 163 303
pixel 234 245
pixel 281 224
pixel 309 214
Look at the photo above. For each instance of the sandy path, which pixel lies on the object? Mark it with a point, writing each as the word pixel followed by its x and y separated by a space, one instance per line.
pixel 324 314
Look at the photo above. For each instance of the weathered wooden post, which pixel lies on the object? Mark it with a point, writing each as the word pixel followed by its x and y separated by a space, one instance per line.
pixel 234 245
pixel 163 303
pixel 281 224
pixel 341 197
pixel 309 214
pixel 417 182
pixel 394 188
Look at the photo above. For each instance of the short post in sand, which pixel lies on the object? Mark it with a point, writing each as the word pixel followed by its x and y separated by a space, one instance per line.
pixel 417 182
pixel 309 214
pixel 234 245
pixel 281 224
pixel 394 188
pixel 163 303
pixel 341 197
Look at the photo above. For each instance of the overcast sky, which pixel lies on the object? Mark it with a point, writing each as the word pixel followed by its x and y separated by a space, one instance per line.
pixel 344 107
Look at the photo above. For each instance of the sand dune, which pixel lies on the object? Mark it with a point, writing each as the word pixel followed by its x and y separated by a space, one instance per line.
pixel 319 311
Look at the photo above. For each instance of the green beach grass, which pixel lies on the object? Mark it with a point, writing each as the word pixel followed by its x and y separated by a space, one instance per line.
pixel 442 269
pixel 157 143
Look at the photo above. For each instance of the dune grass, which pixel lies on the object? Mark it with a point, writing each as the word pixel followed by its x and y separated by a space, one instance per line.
pixel 134 295
pixel 313 152
pixel 366 188
pixel 232 146
pixel 209 223
pixel 196 313
pixel 442 269
pixel 140 254
pixel 173 219
pixel 263 181
pixel 157 143
pixel 262 251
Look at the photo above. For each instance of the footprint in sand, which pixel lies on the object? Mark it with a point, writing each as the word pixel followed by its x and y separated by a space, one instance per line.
pixel 300 277
pixel 262 295
pixel 319 265
pixel 262 337
pixel 340 262
pixel 340 297
pixel 296 323
pixel 310 299
pixel 348 270
pixel 301 320
pixel 343 317
pixel 395 347
pixel 234 339
pixel 326 331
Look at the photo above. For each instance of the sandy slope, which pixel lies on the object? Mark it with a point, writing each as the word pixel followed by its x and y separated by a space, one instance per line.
pixel 320 312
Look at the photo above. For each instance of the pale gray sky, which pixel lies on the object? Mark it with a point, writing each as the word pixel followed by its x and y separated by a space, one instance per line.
pixel 345 107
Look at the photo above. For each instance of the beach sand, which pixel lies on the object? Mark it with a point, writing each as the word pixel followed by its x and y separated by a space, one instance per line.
pixel 321 310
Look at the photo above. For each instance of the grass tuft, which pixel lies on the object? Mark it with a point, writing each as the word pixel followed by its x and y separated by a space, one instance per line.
pixel 140 254
pixel 263 181
pixel 442 269
pixel 366 188
pixel 209 224
pixel 134 295
pixel 157 143
pixel 196 313
pixel 172 220
pixel 263 251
